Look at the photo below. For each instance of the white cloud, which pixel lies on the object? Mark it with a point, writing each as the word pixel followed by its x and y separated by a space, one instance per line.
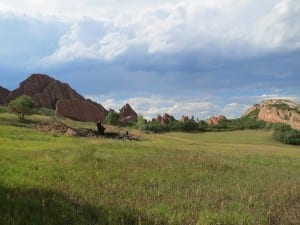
pixel 228 27
pixel 233 28
pixel 280 28
pixel 112 45
pixel 233 110
pixel 151 106
pixel 276 96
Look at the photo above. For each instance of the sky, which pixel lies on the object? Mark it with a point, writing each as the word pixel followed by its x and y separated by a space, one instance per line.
pixel 187 57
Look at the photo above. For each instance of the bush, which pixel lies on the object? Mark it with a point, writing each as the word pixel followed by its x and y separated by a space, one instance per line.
pixel 112 118
pixel 189 125
pixel 45 111
pixel 22 105
pixel 3 109
pixel 141 123
pixel 174 125
pixel 285 134
pixel 156 127
pixel 244 123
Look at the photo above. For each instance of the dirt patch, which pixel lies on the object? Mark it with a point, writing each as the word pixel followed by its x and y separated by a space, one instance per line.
pixel 60 128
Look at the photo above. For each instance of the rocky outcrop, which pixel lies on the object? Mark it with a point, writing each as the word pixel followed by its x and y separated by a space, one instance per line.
pixel 80 110
pixel 127 114
pixel 184 118
pixel 215 120
pixel 44 90
pixel 276 111
pixel 99 106
pixel 47 92
pixel 165 119
pixel 3 95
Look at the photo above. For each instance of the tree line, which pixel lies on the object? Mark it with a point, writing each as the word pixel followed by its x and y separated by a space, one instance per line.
pixel 24 105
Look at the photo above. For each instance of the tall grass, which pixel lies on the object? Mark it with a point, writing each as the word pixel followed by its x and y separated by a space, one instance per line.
pixel 211 178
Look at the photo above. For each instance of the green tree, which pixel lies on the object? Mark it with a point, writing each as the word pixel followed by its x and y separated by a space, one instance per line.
pixel 22 105
pixel 141 123
pixel 112 118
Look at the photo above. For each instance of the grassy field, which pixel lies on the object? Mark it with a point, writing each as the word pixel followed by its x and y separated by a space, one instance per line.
pixel 211 178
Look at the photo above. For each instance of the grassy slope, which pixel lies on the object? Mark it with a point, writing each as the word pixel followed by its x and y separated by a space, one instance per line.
pixel 177 178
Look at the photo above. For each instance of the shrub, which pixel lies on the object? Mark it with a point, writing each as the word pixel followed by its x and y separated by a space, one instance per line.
pixel 141 123
pixel 112 118
pixel 189 125
pixel 156 127
pixel 285 134
pixel 3 109
pixel 244 123
pixel 174 125
pixel 22 105
pixel 45 111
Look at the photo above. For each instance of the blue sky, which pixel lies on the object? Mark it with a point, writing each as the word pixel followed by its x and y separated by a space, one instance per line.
pixel 191 57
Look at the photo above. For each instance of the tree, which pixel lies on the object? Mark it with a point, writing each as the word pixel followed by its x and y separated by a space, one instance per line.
pixel 22 105
pixel 112 118
pixel 141 123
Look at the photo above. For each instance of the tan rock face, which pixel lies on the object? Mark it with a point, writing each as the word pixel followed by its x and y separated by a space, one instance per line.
pixel 127 114
pixel 278 111
pixel 3 95
pixel 275 115
pixel 215 120
pixel 80 110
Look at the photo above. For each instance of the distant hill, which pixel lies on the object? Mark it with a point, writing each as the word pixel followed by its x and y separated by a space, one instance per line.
pixel 276 111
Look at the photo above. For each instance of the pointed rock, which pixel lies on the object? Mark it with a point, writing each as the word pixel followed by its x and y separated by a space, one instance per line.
pixel 127 114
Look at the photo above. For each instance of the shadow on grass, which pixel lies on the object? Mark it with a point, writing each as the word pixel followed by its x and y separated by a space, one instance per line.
pixel 17 122
pixel 42 207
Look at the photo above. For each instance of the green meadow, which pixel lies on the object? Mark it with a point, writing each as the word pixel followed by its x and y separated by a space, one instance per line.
pixel 213 178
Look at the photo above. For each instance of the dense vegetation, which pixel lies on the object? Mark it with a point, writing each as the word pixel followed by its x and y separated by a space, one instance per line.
pixel 240 177
pixel 286 134
pixel 112 118
pixel 281 132
pixel 244 123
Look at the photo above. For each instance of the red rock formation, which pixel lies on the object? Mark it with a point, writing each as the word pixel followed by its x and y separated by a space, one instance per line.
pixel 165 119
pixel 184 118
pixel 127 114
pixel 215 120
pixel 99 106
pixel 80 110
pixel 159 119
pixel 44 90
pixel 3 95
